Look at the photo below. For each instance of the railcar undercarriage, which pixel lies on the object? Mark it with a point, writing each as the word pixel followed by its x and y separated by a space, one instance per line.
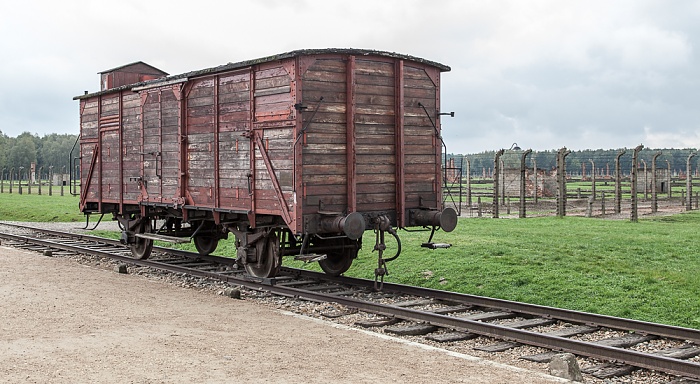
pixel 332 241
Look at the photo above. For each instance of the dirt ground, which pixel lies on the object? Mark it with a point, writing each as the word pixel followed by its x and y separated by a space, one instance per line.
pixel 63 322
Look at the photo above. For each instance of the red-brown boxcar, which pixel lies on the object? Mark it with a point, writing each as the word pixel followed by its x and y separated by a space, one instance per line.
pixel 295 154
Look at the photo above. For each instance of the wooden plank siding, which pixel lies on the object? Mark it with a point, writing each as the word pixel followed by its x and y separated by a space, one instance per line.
pixel 421 146
pixel 325 143
pixel 89 121
pixel 273 130
pixel 219 139
pixel 110 166
pixel 106 171
pixel 227 138
pixel 131 151
pixel 201 118
pixel 160 149
pixel 324 167
pixel 375 131
pixel 234 147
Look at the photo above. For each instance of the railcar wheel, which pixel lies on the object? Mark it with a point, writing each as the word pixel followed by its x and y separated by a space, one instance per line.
pixel 269 260
pixel 141 248
pixel 206 244
pixel 338 262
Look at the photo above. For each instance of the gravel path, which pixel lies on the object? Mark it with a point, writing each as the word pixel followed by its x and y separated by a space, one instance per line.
pixel 65 322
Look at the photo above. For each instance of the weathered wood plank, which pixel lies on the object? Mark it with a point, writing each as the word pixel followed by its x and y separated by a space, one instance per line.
pixel 233 79
pixel 312 96
pixel 376 68
pixel 329 65
pixel 374 80
pixel 271 73
pixel 272 83
pixel 385 120
pixel 325 76
pixel 234 97
pixel 379 90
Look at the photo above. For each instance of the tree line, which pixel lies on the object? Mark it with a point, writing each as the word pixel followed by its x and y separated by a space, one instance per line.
pixel 602 158
pixel 54 149
pixel 49 150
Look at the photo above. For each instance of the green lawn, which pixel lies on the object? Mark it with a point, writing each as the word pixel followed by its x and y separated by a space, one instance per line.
pixel 34 207
pixel 645 270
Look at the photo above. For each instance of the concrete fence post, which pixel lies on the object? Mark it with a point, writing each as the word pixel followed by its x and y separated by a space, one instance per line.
pixel 63 181
pixel 668 179
pixel 689 183
pixel 618 182
pixel 496 186
pixel 521 212
pixel 19 175
pixel 561 181
pixel 469 184
pixel 634 215
pixel 535 192
pixel 592 178
pixel 503 183
pixel 41 169
pixel 654 198
pixel 646 179
pixel 50 180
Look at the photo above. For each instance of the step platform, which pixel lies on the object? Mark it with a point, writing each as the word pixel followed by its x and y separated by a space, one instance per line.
pixel 436 245
pixel 310 257
pixel 167 239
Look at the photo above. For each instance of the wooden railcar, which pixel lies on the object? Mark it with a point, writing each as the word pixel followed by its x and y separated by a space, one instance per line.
pixel 295 154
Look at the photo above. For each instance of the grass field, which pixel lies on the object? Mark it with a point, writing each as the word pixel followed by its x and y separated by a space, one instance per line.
pixel 646 270
pixel 34 207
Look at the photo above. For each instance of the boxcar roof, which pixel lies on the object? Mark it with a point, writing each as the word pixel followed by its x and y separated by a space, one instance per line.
pixel 247 63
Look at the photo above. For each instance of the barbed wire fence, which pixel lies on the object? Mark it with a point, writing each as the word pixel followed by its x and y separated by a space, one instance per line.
pixel 638 182
pixel 43 180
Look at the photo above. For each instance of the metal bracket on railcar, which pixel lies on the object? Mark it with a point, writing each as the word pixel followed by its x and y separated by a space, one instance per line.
pixel 431 245
pixel 445 219
pixel 87 222
pixel 382 224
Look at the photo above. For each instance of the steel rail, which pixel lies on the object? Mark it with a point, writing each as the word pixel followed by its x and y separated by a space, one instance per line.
pixel 618 323
pixel 643 327
pixel 631 357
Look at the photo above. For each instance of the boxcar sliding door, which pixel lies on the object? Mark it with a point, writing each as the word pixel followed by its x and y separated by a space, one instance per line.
pixel 160 144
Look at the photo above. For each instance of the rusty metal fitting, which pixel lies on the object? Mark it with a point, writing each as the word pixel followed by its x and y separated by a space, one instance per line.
pixel 447 219
pixel 352 225
pixel 382 223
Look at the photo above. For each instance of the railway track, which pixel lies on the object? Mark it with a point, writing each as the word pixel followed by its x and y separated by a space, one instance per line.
pixel 620 345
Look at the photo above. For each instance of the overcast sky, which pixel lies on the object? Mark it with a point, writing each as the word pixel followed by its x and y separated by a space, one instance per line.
pixel 544 74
